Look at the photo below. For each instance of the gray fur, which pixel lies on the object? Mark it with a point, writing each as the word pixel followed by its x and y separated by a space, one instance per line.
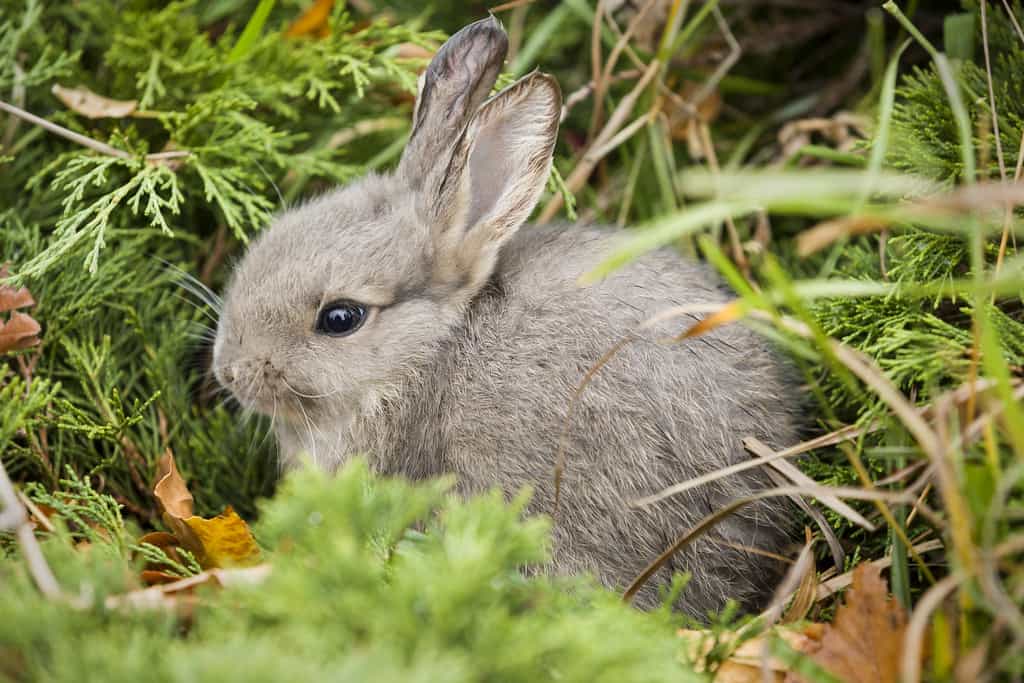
pixel 478 337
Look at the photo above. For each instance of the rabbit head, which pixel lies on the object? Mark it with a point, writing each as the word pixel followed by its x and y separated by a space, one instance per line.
pixel 344 296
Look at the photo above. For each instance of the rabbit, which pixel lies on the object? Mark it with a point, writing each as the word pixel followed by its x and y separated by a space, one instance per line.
pixel 411 318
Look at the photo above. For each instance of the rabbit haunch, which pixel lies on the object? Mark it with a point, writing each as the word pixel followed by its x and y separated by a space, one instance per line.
pixel 476 336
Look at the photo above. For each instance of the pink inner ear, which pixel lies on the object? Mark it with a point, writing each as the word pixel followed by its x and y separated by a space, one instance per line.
pixel 492 166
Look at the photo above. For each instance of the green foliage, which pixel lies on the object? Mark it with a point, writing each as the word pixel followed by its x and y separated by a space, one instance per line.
pixel 231 115
pixel 354 595
pixel 382 580
pixel 118 334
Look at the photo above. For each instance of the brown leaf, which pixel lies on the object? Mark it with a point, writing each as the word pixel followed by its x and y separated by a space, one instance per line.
pixel 864 642
pixel 313 21
pixel 223 541
pixel 20 332
pixel 170 488
pixel 11 298
pixel 90 105
pixel 155 577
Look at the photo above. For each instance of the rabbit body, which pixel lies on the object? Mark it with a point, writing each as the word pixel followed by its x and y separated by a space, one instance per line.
pixel 475 336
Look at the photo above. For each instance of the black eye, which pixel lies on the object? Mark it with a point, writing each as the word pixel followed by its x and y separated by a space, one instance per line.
pixel 340 318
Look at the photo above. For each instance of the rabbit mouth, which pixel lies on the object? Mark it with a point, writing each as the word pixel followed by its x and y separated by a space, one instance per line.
pixel 261 387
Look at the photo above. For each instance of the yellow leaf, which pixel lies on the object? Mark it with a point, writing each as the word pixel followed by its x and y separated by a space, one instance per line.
pixel 223 541
pixel 226 540
pixel 313 21
pixel 93 106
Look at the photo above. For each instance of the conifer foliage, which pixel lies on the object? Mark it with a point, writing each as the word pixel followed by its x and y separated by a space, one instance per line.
pixel 866 216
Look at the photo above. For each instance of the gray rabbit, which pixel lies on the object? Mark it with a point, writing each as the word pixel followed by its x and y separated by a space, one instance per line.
pixel 411 317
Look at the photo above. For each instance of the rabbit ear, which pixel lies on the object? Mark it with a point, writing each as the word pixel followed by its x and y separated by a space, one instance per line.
pixel 496 174
pixel 456 81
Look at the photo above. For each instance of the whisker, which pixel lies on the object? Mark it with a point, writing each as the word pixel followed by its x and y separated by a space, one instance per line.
pixel 195 286
pixel 280 197
pixel 204 308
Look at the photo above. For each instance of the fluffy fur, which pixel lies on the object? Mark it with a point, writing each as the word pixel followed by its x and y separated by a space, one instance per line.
pixel 478 336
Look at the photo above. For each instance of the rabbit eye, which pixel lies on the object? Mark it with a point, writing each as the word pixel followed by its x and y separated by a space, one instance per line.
pixel 340 318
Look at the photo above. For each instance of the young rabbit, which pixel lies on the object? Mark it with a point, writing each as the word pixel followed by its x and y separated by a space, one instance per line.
pixel 412 318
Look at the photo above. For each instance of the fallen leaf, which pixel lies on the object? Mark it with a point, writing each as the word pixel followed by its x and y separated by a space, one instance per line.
pixel 160 572
pixel 746 663
pixel 11 298
pixel 155 577
pixel 170 488
pixel 20 330
pixel 90 105
pixel 224 541
pixel 313 21
pixel 864 642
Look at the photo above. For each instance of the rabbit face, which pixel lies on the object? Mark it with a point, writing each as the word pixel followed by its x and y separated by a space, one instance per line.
pixel 346 296
pixel 330 304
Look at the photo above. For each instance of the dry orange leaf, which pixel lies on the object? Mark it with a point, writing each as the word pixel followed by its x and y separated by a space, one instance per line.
pixel 864 642
pixel 11 298
pixel 224 541
pixel 90 105
pixel 313 21
pixel 20 330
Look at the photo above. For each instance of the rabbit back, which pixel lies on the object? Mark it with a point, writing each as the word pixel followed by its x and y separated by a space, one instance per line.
pixel 493 411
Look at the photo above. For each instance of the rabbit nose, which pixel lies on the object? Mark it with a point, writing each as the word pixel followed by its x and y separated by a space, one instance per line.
pixel 270 370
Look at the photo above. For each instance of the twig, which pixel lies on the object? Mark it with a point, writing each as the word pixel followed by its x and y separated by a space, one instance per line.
pixel 216 255
pixel 1013 20
pixel 86 141
pixel 14 518
pixel 586 165
pixel 602 76
pixel 584 91
pixel 162 596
